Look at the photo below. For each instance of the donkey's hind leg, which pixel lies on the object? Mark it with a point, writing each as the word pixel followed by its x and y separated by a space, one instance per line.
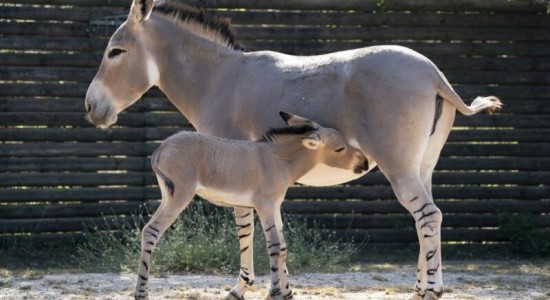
pixel 170 208
pixel 244 218
pixel 413 196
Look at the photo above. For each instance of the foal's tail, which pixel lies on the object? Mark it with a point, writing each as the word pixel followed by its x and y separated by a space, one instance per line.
pixel 155 159
pixel 489 104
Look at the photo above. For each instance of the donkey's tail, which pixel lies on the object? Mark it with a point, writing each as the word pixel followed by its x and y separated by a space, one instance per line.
pixel 489 104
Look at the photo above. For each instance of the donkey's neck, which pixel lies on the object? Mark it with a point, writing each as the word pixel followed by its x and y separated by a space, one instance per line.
pixel 190 67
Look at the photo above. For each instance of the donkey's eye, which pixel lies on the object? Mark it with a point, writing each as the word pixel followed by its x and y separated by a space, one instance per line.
pixel 115 52
pixel 340 149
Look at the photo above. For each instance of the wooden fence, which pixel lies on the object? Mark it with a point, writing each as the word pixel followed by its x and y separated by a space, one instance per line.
pixel 58 173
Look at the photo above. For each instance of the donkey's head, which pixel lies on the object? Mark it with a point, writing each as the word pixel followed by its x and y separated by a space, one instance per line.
pixel 126 72
pixel 331 149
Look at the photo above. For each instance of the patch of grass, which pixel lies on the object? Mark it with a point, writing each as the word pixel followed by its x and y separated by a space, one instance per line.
pixel 205 241
pixel 525 237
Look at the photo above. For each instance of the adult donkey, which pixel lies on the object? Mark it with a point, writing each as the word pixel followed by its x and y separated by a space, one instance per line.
pixel 391 102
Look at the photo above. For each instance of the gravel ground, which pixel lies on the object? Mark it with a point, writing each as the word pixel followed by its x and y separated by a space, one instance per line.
pixel 483 281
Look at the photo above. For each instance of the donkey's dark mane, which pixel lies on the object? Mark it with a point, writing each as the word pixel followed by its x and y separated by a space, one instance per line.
pixel 273 133
pixel 189 14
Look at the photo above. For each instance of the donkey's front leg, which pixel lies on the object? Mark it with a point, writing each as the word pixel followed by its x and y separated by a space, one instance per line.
pixel 244 218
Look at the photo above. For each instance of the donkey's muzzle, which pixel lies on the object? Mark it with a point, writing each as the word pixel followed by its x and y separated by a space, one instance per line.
pixel 99 115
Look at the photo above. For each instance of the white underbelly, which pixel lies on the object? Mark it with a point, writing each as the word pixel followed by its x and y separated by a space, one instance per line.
pixel 226 198
pixel 323 175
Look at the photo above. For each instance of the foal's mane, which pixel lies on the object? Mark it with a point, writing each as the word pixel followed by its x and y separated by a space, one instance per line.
pixel 290 132
pixel 196 20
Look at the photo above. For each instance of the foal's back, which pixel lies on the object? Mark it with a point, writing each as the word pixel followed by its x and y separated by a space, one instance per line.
pixel 216 163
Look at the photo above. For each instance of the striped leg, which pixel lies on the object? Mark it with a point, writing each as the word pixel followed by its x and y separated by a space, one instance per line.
pixel 276 248
pixel 166 214
pixel 283 271
pixel 244 218
pixel 413 196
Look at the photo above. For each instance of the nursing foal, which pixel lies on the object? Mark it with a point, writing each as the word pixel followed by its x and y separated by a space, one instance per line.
pixel 242 173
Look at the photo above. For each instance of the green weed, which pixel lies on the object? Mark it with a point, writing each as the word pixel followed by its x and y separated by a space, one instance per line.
pixel 204 240
pixel 526 239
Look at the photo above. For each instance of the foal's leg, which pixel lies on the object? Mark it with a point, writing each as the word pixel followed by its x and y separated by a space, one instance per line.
pixel 244 218
pixel 283 271
pixel 270 217
pixel 166 214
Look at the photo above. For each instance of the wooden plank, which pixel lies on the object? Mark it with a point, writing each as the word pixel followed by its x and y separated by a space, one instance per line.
pixel 422 5
pixel 87 134
pixel 501 135
pixel 74 149
pixel 392 33
pixel 51 43
pixel 84 179
pixel 493 163
pixel 377 192
pixel 80 194
pixel 44 28
pixel 478 150
pixel 491 63
pixel 392 19
pixel 64 224
pixel 60 13
pixel 74 164
pixel 406 221
pixel 52 59
pixel 393 207
pixel 36 73
pixel 414 6
pixel 72 210
pixel 409 235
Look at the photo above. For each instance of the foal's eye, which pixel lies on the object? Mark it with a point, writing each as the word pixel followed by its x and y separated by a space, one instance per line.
pixel 340 149
pixel 115 52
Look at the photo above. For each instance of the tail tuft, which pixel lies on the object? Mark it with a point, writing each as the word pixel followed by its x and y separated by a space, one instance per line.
pixel 488 104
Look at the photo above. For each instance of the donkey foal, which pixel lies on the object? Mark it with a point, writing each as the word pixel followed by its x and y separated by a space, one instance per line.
pixel 242 174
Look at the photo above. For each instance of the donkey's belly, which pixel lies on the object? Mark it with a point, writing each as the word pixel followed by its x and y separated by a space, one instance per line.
pixel 323 175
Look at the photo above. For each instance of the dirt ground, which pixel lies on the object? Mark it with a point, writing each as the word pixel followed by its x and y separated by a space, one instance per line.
pixel 482 280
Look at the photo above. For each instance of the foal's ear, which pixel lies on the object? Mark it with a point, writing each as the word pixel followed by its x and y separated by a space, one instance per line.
pixel 313 141
pixel 295 120
pixel 140 10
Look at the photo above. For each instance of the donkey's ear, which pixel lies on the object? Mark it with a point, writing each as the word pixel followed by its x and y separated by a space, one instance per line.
pixel 295 120
pixel 140 10
pixel 313 141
